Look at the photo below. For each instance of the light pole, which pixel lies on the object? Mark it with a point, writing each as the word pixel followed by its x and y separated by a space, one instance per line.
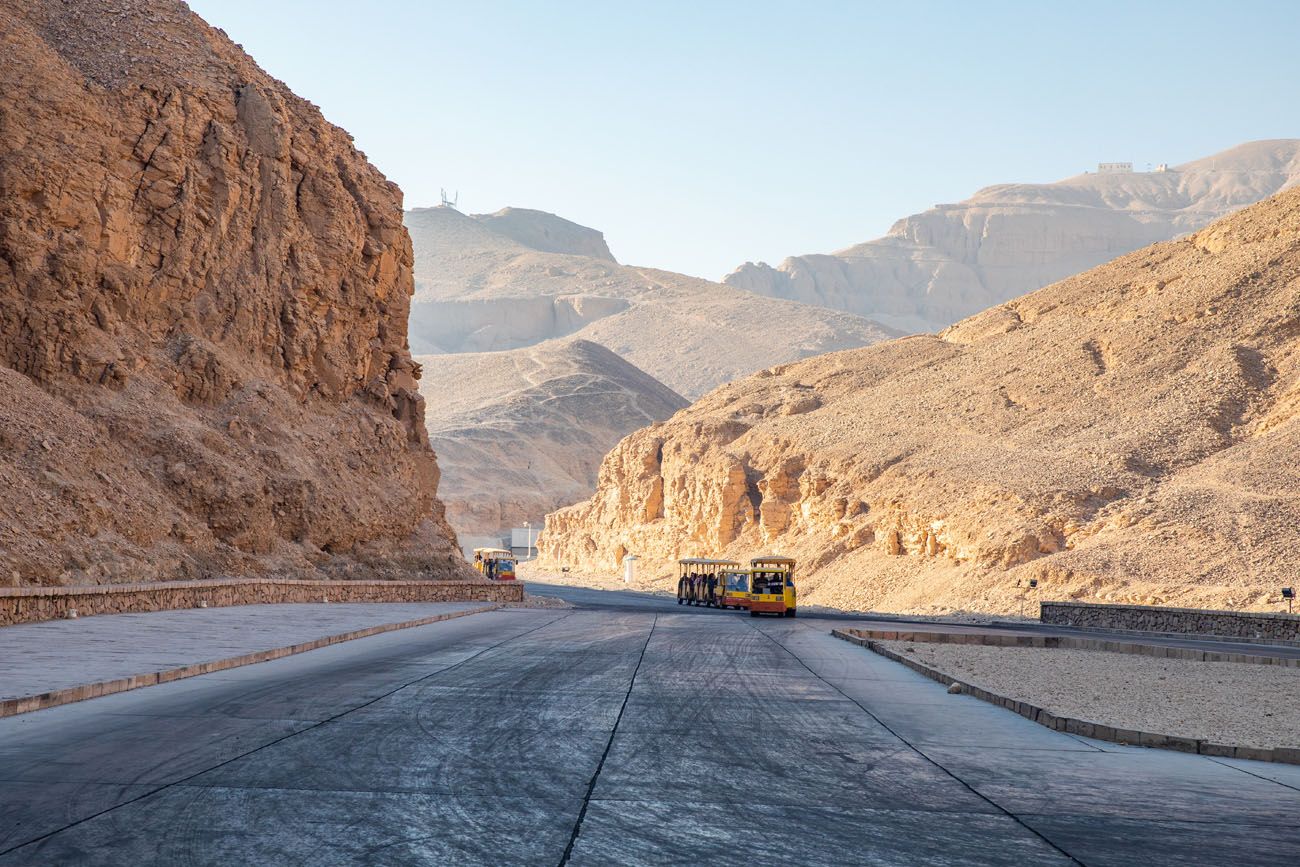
pixel 528 531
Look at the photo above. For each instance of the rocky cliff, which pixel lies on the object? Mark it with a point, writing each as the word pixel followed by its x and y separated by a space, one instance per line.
pixel 957 259
pixel 522 433
pixel 204 290
pixel 1128 434
pixel 480 288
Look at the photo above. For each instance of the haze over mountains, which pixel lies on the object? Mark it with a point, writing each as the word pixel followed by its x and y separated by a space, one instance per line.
pixel 480 288
pixel 954 260
pixel 1127 434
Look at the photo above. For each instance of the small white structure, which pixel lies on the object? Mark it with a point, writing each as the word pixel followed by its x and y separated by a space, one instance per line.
pixel 1114 168
pixel 629 568
pixel 523 540
pixel 1163 167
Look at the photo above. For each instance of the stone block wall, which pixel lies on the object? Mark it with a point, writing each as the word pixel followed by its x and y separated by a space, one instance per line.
pixel 1180 621
pixel 32 604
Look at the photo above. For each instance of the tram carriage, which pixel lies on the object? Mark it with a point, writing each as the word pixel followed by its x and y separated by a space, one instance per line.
pixel 700 581
pixel 734 587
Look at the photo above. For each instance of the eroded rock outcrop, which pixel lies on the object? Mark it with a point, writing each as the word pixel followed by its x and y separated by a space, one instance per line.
pixel 1128 434
pixel 955 260
pixel 203 299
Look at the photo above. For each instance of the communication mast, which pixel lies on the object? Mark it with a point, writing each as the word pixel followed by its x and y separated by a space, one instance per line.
pixel 449 203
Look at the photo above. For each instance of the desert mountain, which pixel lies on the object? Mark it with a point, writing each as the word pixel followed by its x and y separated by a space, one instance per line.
pixel 203 300
pixel 952 261
pixel 519 277
pixel 1128 434
pixel 522 432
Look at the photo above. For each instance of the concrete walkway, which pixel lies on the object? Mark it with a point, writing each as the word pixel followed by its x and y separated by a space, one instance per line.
pixel 38 658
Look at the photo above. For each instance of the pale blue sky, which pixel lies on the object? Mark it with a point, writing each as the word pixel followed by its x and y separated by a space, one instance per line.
pixel 700 134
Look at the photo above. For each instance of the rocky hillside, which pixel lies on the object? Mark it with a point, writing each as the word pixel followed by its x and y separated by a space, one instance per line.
pixel 486 284
pixel 522 433
pixel 1127 434
pixel 204 290
pixel 952 261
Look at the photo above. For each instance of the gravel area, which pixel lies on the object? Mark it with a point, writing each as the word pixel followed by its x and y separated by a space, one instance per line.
pixel 1225 702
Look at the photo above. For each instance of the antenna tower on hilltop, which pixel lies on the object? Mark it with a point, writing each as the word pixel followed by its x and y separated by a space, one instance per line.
pixel 449 203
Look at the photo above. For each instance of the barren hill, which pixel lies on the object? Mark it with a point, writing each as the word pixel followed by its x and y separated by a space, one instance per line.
pixel 203 300
pixel 479 289
pixel 1127 434
pixel 955 260
pixel 521 433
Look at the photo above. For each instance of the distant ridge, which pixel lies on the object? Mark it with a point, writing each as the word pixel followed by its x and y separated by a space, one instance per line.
pixel 954 260
pixel 521 277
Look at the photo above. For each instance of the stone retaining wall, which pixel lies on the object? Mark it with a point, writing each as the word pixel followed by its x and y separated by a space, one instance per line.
pixel 31 604
pixel 1174 621
pixel 1162 651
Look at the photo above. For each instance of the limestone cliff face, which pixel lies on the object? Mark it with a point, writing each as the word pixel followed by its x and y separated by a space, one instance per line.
pixel 955 260
pixel 1128 434
pixel 203 299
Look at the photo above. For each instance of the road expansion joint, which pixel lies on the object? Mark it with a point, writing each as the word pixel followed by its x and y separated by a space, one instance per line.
pixel 1001 809
pixel 1253 774
pixel 600 766
pixel 184 781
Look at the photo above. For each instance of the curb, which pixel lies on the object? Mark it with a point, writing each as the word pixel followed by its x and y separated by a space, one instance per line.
pixel 1083 728
pixel 28 703
pixel 1161 651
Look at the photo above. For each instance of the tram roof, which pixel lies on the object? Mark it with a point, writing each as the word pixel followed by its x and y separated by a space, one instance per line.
pixel 774 559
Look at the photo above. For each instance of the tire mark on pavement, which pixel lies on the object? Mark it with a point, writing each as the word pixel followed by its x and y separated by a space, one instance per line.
pixel 918 750
pixel 184 780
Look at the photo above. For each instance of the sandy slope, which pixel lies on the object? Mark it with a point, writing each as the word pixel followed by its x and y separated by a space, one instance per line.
pixel 522 432
pixel 1127 434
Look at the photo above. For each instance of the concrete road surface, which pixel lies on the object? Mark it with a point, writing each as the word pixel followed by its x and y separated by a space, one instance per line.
pixel 638 734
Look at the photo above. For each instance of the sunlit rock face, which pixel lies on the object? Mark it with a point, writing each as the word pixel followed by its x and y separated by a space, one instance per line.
pixel 1128 434
pixel 955 260
pixel 204 291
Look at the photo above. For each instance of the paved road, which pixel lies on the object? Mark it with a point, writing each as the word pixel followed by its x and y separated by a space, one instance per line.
pixel 639 734
pixel 584 597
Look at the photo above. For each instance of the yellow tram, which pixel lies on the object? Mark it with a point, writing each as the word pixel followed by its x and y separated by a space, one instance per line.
pixel 772 589
pixel 497 564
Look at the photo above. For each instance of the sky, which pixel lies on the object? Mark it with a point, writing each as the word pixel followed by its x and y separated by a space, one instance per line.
pixel 699 135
